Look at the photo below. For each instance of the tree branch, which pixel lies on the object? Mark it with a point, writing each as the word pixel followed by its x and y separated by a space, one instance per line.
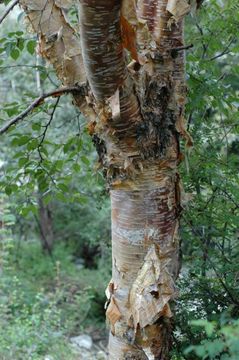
pixel 38 101
pixel 11 6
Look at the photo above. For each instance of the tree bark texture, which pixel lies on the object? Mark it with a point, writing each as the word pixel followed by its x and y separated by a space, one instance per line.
pixel 129 56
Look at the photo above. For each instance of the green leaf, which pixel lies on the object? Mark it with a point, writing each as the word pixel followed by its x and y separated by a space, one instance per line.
pixel 36 127
pixel 80 198
pixel 59 164
pixel 8 190
pixel 31 46
pixel 43 184
pixel 47 199
pixel 44 151
pixel 19 33
pixel 32 145
pixel 20 43
pixel 85 160
pixel 207 325
pixel 19 154
pixel 22 161
pixel 15 53
pixel 76 167
pixel 63 187
pixel 68 145
pixel 9 219
pixel 27 209
pixel 21 140
pixel 60 196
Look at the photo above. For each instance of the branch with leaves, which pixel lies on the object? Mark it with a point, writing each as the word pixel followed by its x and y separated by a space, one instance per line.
pixel 38 101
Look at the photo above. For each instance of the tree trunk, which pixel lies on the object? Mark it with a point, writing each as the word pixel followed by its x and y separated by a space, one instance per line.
pixel 136 116
pixel 145 262
pixel 45 226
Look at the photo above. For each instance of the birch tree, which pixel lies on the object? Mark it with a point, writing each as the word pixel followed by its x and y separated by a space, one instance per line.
pixel 125 69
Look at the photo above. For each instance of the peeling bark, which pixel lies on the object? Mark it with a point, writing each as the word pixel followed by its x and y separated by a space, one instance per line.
pixel 58 41
pixel 59 44
pixel 144 233
pixel 146 193
pixel 135 111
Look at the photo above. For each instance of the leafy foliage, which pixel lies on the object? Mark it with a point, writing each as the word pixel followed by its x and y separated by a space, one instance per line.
pixel 37 318
pixel 208 281
pixel 222 341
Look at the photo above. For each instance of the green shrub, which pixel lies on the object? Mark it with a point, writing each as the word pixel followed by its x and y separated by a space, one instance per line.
pixel 220 341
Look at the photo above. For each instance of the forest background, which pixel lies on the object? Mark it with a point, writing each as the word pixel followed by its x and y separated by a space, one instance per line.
pixel 55 214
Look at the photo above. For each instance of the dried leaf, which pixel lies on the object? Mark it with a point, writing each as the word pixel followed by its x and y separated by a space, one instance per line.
pixel 180 127
pixel 112 313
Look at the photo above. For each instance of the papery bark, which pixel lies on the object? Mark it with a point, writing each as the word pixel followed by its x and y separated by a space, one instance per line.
pixel 146 202
pixel 59 43
pixel 136 116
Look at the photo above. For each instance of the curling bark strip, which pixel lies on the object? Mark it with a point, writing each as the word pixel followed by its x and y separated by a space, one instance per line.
pixel 58 41
pixel 59 44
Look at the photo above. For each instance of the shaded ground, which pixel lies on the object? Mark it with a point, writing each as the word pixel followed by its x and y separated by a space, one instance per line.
pixel 92 345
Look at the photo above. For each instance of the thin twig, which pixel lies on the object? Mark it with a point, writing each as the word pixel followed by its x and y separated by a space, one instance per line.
pixel 46 128
pixel 39 67
pixel 180 48
pixel 11 6
pixel 175 51
pixel 204 46
pixel 38 101
pixel 190 117
pixel 224 285
pixel 224 52
pixel 230 198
